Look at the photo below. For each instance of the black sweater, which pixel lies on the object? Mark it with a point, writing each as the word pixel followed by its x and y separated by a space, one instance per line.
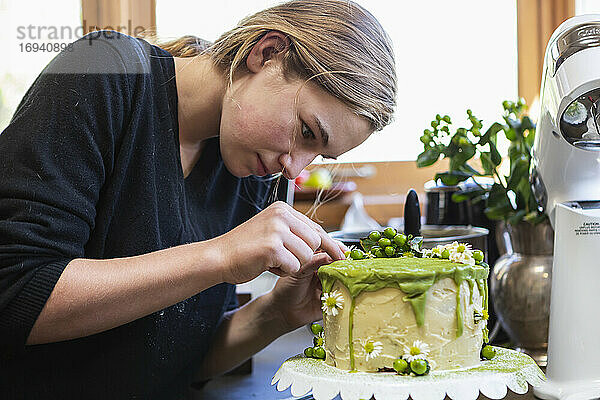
pixel 90 167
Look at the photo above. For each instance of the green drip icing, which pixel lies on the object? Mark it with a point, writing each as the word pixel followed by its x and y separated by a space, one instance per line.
pixel 483 291
pixel 350 328
pixel 414 276
pixel 418 305
pixel 471 285
pixel 459 316
pixel 460 275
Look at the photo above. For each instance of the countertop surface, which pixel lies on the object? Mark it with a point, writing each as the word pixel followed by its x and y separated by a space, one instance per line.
pixel 258 384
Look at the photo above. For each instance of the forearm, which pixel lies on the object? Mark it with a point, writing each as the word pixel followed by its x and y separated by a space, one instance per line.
pixel 241 334
pixel 92 296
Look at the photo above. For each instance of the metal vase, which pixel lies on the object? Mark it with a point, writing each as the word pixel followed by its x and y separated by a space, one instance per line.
pixel 520 285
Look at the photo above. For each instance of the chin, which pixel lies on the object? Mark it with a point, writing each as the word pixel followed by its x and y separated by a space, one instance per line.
pixel 236 169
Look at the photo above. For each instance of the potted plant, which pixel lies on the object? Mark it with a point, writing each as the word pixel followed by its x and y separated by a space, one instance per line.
pixel 520 281
pixel 510 198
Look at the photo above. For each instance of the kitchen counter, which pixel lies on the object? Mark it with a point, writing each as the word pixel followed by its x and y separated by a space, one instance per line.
pixel 258 384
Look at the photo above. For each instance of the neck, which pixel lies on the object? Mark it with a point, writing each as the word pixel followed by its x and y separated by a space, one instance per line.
pixel 200 90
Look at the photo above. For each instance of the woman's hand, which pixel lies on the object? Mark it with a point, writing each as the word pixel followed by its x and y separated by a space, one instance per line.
pixel 297 298
pixel 278 239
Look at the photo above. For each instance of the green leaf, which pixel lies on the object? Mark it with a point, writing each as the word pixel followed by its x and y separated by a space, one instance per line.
pixel 517 217
pixel 497 213
pixel 495 155
pixel 510 134
pixel 458 197
pixel 491 133
pixel 527 123
pixel 519 171
pixel 498 204
pixel 452 178
pixel 530 138
pixel 487 164
pixel 428 157
pixel 462 156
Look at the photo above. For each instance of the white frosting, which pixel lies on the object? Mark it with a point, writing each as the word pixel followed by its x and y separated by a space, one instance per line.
pixel 384 317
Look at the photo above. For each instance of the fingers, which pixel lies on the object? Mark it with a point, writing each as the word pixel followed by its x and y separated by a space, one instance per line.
pixel 286 261
pixel 299 248
pixel 314 263
pixel 331 246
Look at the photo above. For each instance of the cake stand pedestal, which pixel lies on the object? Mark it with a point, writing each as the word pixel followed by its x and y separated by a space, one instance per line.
pixel 510 369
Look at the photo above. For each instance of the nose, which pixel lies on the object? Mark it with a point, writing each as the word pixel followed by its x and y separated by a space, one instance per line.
pixel 295 162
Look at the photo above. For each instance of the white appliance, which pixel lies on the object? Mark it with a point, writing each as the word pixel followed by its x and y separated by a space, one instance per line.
pixel 565 177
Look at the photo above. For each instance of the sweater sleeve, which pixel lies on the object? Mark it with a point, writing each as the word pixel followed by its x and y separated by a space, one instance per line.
pixel 56 154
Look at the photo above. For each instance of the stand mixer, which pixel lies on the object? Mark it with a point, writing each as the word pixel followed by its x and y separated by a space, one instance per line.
pixel 565 177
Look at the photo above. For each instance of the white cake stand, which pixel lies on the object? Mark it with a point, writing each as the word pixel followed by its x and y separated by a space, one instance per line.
pixel 509 369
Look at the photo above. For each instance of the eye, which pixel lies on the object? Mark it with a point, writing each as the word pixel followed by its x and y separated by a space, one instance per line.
pixel 307 133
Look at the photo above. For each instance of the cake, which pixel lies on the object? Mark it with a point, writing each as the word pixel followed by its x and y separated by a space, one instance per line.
pixel 409 304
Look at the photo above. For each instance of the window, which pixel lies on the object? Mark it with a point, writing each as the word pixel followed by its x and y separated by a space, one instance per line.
pixel 587 7
pixel 450 55
pixel 31 37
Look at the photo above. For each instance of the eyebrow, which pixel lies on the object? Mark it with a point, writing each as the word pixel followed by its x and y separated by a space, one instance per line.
pixel 323 131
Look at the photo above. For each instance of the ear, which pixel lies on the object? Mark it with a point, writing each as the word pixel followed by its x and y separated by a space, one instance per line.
pixel 270 47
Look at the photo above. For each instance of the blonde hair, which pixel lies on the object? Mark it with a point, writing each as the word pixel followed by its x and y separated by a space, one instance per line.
pixel 335 43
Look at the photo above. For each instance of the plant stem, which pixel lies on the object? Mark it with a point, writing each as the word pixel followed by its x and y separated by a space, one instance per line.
pixel 495 171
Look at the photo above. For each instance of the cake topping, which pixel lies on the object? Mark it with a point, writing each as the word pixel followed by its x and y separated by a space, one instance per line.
pixel 418 351
pixel 317 351
pixel 401 366
pixel 488 352
pixel 332 302
pixel 372 349
pixel 419 366
pixel 480 314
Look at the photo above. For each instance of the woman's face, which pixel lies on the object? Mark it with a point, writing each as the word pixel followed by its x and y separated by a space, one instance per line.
pixel 270 124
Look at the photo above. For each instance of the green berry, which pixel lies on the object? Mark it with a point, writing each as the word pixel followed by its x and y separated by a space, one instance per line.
pixel 378 252
pixel 446 254
pixel 389 251
pixel 400 239
pixel 478 255
pixel 419 366
pixel 389 233
pixel 374 236
pixel 308 352
pixel 319 352
pixel 357 254
pixel 316 329
pixel 400 365
pixel 384 242
pixel 488 352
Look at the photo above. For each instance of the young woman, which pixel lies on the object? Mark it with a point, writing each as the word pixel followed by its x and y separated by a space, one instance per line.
pixel 131 198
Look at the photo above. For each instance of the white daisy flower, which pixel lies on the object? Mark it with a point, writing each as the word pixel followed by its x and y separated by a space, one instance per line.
pixel 437 251
pixel 372 348
pixel 418 351
pixel 332 302
pixel 427 253
pixel 464 258
pixel 463 247
pixel 451 247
